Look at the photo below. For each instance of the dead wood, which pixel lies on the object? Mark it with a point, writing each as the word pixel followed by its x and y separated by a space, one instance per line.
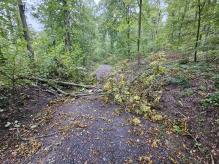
pixel 62 83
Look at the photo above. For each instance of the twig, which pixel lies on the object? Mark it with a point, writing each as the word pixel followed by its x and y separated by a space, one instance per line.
pixel 37 137
pixel 88 94
pixel 181 113
pixel 212 159
pixel 60 91
pixel 51 92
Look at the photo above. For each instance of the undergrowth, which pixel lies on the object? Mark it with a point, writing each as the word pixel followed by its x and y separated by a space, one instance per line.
pixel 142 95
pixel 211 100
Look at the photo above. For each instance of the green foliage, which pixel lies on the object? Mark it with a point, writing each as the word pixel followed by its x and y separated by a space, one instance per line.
pixel 216 80
pixel 181 26
pixel 177 129
pixel 118 89
pixel 211 100
pixel 180 126
pixel 136 121
pixel 179 80
pixel 56 60
pixel 144 109
pixel 78 34
pixel 187 92
pixel 184 61
pixel 52 60
pixel 3 101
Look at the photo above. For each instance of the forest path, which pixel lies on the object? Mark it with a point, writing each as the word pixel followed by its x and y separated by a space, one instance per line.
pixel 87 130
pixel 103 71
pixel 90 131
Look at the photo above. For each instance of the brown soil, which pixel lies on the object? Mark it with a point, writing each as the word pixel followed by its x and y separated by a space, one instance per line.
pixel 26 101
pixel 201 122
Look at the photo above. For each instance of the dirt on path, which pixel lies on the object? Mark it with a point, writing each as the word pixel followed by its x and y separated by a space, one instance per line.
pixel 89 131
pixel 103 71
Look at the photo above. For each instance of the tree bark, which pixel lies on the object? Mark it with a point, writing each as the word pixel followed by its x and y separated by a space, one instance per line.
pixel 199 12
pixel 61 83
pixel 67 24
pixel 112 42
pixel 172 28
pixel 52 83
pixel 1 56
pixel 198 31
pixel 128 31
pixel 139 30
pixel 182 21
pixel 157 23
pixel 21 7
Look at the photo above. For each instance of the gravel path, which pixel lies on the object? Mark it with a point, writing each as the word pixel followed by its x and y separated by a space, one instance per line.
pixel 97 133
pixel 90 131
pixel 103 71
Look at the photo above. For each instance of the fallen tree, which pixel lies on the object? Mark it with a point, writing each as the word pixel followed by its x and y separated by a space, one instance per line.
pixel 54 84
pixel 62 83
pixel 77 95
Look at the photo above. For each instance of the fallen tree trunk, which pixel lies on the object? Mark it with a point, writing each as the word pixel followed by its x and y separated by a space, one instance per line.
pixel 60 91
pixel 53 83
pixel 62 83
pixel 76 95
pixel 74 84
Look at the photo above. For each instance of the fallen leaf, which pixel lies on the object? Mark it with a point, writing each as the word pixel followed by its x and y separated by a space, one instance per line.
pixel 136 121
pixel 33 126
pixel 7 124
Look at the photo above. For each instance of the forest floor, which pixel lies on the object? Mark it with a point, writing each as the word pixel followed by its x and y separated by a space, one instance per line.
pixel 51 129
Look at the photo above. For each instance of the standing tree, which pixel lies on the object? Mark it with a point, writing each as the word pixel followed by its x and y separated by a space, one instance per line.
pixel 128 17
pixel 200 7
pixel 128 30
pixel 21 7
pixel 139 30
pixel 67 24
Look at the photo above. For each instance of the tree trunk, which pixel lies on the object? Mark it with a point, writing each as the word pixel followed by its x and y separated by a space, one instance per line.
pixel 21 7
pixel 182 21
pixel 62 83
pixel 198 29
pixel 157 23
pixel 2 59
pixel 139 31
pixel 128 32
pixel 67 24
pixel 172 29
pixel 111 42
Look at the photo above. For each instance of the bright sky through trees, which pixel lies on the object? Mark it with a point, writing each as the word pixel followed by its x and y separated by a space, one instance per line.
pixel 33 22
